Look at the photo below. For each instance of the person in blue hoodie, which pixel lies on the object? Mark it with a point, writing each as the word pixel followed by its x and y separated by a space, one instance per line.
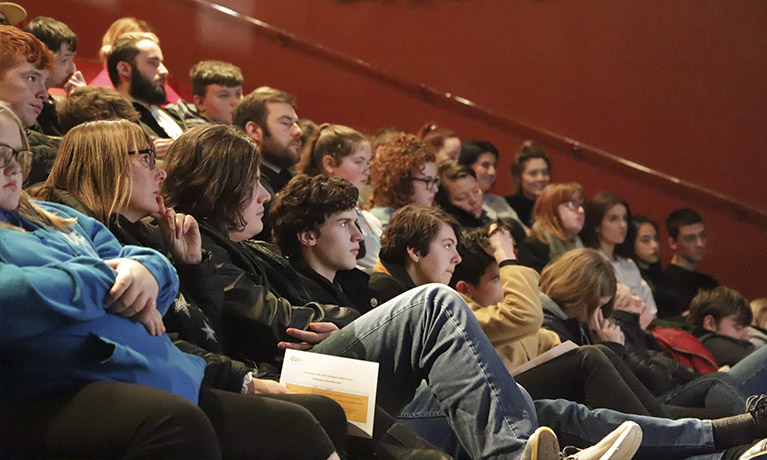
pixel 87 370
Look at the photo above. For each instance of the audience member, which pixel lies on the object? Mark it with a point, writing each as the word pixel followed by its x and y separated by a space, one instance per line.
pixel 446 144
pixel 62 42
pixel 116 30
pixel 11 14
pixel 88 369
pixel 136 67
pixel 269 117
pixel 24 64
pixel 459 194
pixel 216 90
pixel 339 151
pixel 315 228
pixel 482 157
pixel 531 171
pixel 682 281
pixel 607 229
pixel 721 317
pixel 559 216
pixel 420 248
pixel 646 254
pixel 92 104
pixel 403 171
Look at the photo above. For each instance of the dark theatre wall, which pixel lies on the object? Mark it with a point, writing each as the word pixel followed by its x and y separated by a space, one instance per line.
pixel 677 86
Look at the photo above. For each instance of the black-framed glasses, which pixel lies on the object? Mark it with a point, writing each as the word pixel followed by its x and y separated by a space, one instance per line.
pixel 573 205
pixel 8 154
pixel 148 157
pixel 431 182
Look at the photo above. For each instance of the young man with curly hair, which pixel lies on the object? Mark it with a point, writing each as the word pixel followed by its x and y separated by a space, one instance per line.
pixel 315 226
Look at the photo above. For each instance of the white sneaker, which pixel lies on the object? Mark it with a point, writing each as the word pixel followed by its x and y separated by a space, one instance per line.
pixel 542 445
pixel 621 444
pixel 756 452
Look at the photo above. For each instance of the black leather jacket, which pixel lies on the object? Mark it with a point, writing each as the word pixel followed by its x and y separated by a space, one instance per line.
pixel 263 296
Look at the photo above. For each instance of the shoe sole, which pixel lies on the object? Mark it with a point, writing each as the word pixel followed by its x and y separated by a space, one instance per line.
pixel 546 444
pixel 627 443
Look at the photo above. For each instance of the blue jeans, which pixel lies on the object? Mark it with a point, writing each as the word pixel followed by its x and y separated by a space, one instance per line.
pixel 751 373
pixel 430 333
pixel 717 391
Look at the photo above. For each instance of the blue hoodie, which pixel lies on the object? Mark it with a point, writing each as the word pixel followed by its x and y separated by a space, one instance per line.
pixel 55 330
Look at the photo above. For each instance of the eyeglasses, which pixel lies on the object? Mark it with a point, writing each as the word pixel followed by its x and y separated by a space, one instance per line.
pixel 573 205
pixel 8 154
pixel 148 157
pixel 431 182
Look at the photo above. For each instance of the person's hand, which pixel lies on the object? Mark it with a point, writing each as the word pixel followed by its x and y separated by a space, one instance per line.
pixel 502 243
pixel 134 288
pixel 604 329
pixel 181 233
pixel 151 319
pixel 317 333
pixel 161 146
pixel 623 297
pixel 261 386
pixel 75 81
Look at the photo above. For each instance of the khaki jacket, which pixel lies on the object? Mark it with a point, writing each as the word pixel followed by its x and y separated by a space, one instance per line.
pixel 514 325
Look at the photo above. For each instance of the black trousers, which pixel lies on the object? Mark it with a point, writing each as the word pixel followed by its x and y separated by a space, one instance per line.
pixel 592 375
pixel 114 420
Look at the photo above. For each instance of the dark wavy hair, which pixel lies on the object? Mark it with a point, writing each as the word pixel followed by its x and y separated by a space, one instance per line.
pixel 720 303
pixel 212 170
pixel 304 205
pixel 475 258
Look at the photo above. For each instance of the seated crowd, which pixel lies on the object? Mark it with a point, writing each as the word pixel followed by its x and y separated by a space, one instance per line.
pixel 156 261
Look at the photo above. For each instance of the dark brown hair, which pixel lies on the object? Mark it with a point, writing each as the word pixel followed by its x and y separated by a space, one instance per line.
pixel 413 227
pixel 212 170
pixel 90 104
pixel 720 303
pixel 253 106
pixel 304 205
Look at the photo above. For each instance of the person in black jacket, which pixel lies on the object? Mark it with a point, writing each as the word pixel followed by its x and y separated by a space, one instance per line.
pixel 315 228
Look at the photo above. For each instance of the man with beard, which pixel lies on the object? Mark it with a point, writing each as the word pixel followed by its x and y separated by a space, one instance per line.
pixel 135 66
pixel 269 117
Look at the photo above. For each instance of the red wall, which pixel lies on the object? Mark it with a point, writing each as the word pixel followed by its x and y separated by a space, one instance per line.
pixel 676 85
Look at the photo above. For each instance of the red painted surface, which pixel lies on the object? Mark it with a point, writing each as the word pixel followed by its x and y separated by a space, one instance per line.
pixel 677 86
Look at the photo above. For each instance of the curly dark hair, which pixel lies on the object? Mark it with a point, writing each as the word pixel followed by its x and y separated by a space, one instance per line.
pixel 475 256
pixel 414 227
pixel 304 205
pixel 393 169
pixel 212 170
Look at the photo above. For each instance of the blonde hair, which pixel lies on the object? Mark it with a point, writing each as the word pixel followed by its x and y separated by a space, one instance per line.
pixel 759 308
pixel 93 165
pixel 546 210
pixel 580 277
pixel 26 208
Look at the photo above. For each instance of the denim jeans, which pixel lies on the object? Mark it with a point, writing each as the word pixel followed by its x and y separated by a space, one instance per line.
pixel 429 333
pixel 751 373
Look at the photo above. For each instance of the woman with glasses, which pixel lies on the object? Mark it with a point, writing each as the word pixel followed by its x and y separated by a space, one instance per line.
pixel 607 230
pixel 107 169
pixel 559 217
pixel 404 172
